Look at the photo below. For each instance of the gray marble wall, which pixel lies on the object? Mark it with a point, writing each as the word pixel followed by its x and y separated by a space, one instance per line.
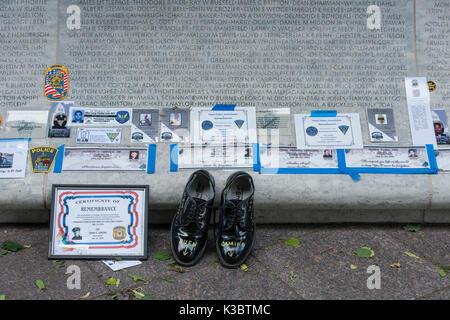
pixel 302 54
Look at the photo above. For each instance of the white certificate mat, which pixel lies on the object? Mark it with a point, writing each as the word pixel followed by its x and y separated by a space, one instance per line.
pixel 25 124
pixel 340 132
pixel 228 126
pixel 99 135
pixel 13 158
pixel 290 157
pixel 99 221
pixel 105 159
pixel 443 160
pixel 214 156
pixel 395 158
pixel 100 116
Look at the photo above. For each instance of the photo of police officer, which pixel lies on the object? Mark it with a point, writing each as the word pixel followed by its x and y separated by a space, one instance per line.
pixel 59 121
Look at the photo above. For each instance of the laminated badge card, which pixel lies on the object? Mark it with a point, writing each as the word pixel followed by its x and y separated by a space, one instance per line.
pixel 175 125
pixel 381 125
pixel 59 124
pixel 13 158
pixel 440 126
pixel 145 125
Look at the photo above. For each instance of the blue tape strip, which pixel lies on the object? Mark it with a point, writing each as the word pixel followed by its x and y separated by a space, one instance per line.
pixel 15 139
pixel 224 107
pixel 343 166
pixel 174 157
pixel 151 158
pixel 59 159
pixel 323 113
pixel 256 157
pixel 298 171
pixel 432 158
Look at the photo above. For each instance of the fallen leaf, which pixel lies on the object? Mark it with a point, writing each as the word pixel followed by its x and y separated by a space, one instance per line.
pixel 244 267
pixel 12 246
pixel 365 252
pixel 396 265
pixel 40 284
pixel 136 278
pixel 85 296
pixel 442 273
pixel 2 297
pixel 162 256
pixel 113 282
pixel 168 280
pixel 293 276
pixel 353 267
pixel 2 253
pixel 292 242
pixel 412 228
pixel 138 295
pixel 409 254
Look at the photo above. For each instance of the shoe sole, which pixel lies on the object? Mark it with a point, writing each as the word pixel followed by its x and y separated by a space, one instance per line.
pixel 240 261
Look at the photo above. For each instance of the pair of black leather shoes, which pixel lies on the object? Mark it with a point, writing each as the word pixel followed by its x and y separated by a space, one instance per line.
pixel 235 237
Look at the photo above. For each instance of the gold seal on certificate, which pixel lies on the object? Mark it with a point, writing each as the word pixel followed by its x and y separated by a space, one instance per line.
pixel 99 222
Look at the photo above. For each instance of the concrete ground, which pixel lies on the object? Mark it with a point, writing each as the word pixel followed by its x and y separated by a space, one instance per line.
pixel 322 266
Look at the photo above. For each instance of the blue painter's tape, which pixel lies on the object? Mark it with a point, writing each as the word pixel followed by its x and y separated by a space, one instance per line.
pixel 256 158
pixel 298 171
pixel 224 107
pixel 15 139
pixel 59 159
pixel 151 158
pixel 174 157
pixel 343 166
pixel 323 113
pixel 432 158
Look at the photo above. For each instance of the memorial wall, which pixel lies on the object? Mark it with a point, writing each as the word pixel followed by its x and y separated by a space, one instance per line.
pixel 349 56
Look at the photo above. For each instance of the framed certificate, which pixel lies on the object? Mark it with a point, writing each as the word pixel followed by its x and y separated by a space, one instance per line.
pixel 98 222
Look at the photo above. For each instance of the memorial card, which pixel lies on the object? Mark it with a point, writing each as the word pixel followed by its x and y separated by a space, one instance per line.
pixel 13 158
pixel 290 157
pixel 214 156
pixel 340 132
pixel 223 126
pixel 98 222
pixel 440 125
pixel 420 119
pixel 100 116
pixel 145 125
pixel 381 157
pixel 105 159
pixel 59 124
pixel 25 124
pixel 99 135
pixel 381 125
pixel 276 121
pixel 175 125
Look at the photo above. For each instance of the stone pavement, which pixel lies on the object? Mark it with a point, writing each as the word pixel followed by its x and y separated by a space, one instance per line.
pixel 319 267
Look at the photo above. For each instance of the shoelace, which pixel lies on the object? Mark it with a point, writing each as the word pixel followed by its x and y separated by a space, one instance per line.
pixel 195 207
pixel 235 216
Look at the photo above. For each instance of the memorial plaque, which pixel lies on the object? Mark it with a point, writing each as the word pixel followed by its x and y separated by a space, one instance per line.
pixel 433 49
pixel 266 54
pixel 28 33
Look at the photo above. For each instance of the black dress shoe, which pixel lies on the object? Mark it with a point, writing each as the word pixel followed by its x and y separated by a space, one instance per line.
pixel 189 228
pixel 236 233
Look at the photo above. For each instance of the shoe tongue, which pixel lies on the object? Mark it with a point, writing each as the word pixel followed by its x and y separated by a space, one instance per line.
pixel 236 202
pixel 198 200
